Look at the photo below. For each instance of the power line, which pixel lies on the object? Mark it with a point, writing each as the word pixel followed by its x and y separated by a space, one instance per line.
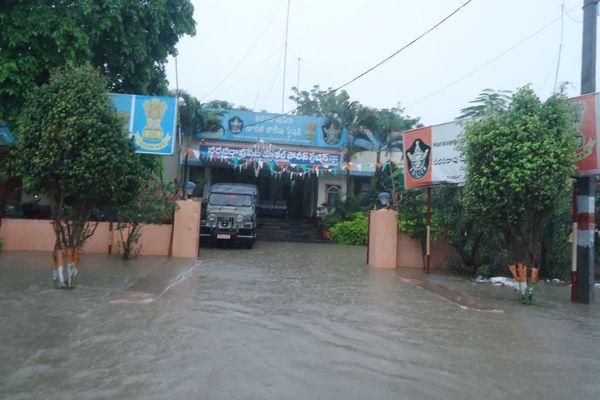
pixel 560 45
pixel 241 60
pixel 487 62
pixel 394 54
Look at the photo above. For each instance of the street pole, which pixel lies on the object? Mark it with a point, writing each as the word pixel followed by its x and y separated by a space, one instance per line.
pixel 586 185
pixel 298 81
pixel 428 237
pixel 287 23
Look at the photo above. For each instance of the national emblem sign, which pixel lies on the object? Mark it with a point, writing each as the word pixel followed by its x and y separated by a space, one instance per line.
pixel 150 120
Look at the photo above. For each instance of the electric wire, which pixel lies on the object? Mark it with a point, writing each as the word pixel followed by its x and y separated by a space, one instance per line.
pixel 490 61
pixel 377 65
pixel 243 58
pixel 560 45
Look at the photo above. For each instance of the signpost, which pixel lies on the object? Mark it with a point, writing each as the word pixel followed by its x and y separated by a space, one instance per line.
pixel 432 156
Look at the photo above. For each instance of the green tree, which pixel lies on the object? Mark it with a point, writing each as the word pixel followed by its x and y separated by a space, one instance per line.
pixel 71 147
pixel 188 112
pixel 519 162
pixel 474 241
pixel 224 105
pixel 128 40
pixel 339 109
pixel 381 131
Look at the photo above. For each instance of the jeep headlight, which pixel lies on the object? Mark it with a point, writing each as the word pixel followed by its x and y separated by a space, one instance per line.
pixel 211 217
pixel 240 218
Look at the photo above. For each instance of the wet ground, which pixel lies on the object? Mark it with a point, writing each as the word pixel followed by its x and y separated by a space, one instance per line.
pixel 285 321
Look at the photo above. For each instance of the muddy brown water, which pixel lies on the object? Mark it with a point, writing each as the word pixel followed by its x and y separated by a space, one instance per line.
pixel 285 321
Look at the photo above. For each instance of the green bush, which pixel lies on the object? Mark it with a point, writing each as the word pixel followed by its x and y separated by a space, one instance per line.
pixel 354 231
pixel 331 220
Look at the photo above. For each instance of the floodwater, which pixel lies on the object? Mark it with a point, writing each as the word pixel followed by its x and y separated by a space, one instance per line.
pixel 286 321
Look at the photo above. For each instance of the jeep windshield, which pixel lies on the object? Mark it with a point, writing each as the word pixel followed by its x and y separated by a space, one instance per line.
pixel 236 200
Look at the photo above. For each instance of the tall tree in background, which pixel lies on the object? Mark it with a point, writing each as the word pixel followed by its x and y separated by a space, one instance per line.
pixel 128 40
pixel 381 131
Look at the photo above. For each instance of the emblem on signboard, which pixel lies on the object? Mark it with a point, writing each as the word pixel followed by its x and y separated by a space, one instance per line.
pixel 236 124
pixel 310 131
pixel 584 148
pixel 154 110
pixel 418 156
pixel 332 131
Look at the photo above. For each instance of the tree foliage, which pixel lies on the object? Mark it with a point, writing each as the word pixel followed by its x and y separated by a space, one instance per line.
pixel 369 129
pixel 489 100
pixel 337 107
pixel 381 130
pixel 128 40
pixel 71 147
pixel 519 162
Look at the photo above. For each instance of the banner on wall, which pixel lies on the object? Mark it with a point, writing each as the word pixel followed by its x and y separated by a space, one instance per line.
pixel 267 154
pixel 150 120
pixel 247 126
pixel 432 155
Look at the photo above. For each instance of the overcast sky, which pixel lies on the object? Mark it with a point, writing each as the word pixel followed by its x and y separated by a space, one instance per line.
pixel 338 39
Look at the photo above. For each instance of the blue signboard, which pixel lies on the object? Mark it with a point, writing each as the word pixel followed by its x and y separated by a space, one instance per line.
pixel 5 136
pixel 150 120
pixel 246 126
pixel 239 153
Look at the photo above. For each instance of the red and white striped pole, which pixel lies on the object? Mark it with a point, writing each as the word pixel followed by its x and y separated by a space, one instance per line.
pixel 586 223
pixel 586 186
pixel 574 248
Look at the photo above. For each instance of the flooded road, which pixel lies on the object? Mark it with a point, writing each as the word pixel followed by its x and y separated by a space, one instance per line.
pixel 287 321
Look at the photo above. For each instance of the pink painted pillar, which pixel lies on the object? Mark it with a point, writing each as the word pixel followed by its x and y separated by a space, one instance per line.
pixel 186 229
pixel 383 238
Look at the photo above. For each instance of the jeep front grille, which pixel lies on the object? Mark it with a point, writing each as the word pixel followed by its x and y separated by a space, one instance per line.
pixel 225 222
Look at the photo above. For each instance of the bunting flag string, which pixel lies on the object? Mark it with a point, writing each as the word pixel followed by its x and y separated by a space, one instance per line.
pixel 283 168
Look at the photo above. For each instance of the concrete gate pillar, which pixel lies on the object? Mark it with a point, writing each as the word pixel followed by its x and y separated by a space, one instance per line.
pixel 186 229
pixel 383 238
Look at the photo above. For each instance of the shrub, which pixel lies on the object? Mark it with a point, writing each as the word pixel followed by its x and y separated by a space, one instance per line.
pixel 154 204
pixel 353 232
pixel 331 220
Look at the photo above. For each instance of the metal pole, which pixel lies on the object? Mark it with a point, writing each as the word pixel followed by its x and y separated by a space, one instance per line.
pixel 574 248
pixel 428 239
pixel 287 23
pixel 368 235
pixel 586 186
pixel 110 233
pixel 298 81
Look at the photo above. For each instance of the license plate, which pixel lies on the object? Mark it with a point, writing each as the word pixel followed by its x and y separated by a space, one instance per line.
pixel 223 236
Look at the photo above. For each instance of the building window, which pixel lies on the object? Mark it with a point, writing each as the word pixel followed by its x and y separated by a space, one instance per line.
pixel 333 194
